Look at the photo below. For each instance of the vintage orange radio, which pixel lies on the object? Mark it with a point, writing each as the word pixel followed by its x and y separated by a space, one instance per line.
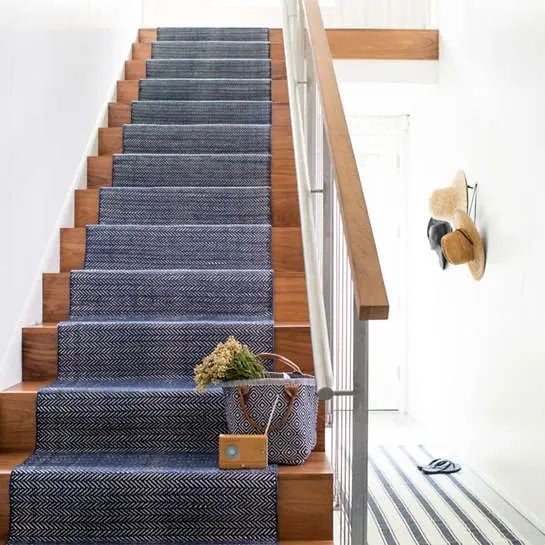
pixel 243 451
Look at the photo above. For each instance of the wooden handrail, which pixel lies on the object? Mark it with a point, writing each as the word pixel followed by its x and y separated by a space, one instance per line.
pixel 369 289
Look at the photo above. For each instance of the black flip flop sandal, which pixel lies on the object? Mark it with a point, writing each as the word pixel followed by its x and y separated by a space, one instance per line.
pixel 440 466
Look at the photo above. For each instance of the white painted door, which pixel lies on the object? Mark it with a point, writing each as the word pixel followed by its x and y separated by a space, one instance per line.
pixel 379 144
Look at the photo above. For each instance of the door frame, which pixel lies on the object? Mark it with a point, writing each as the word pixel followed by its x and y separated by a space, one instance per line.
pixel 398 125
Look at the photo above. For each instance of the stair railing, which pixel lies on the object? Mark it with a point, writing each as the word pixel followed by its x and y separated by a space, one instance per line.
pixel 345 287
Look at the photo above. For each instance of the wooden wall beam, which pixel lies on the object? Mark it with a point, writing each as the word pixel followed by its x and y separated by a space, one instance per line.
pixel 383 44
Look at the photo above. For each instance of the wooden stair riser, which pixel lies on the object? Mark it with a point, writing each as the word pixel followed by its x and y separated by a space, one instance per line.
pixel 4 507
pixel 40 355
pixel 141 51
pixel 99 174
pixel 147 35
pixel 287 250
pixel 289 294
pixel 119 113
pixel 137 70
pixel 110 139
pixel 17 420
pixel 40 349
pixel 150 35
pixel 305 498
pixel 284 208
pixel 129 90
pixel 305 507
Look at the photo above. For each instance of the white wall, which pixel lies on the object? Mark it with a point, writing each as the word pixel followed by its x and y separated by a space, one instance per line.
pixel 336 13
pixel 477 350
pixel 60 60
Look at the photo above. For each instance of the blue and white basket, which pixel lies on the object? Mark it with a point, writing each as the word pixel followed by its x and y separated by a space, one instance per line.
pixel 292 431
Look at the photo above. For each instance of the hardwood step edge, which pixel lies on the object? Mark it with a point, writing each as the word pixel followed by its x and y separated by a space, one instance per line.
pixel 290 296
pixel 316 467
pixel 120 113
pixel 149 34
pixel 136 69
pixel 284 206
pixel 40 347
pixel 142 51
pixel 286 249
pixel 128 90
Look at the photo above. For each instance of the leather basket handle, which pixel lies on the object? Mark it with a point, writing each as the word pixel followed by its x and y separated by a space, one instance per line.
pixel 290 392
pixel 283 359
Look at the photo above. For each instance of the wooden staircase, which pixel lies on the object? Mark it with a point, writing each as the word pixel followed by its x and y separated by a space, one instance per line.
pixel 305 495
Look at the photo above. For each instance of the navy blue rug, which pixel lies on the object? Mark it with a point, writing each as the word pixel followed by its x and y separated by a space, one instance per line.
pixel 208 68
pixel 210 170
pixel 205 89
pixel 126 449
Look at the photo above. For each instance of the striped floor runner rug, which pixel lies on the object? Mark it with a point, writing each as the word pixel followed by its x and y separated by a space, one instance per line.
pixel 126 449
pixel 407 507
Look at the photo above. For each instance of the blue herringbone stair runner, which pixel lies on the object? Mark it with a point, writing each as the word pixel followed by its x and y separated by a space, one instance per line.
pixel 126 449
pixel 209 171
pixel 215 112
pixel 208 68
pixel 205 89
pixel 185 205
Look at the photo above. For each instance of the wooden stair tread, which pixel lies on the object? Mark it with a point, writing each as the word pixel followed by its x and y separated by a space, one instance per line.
pixel 18 405
pixel 286 247
pixel 304 497
pixel 284 205
pixel 40 347
pixel 278 324
pixel 289 301
pixel 316 467
pixel 11 459
pixel 283 542
pixel 27 386
pixel 300 542
pixel 99 174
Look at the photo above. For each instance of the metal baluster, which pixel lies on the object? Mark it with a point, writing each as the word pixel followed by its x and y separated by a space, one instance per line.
pixel 347 335
pixel 360 430
pixel 328 238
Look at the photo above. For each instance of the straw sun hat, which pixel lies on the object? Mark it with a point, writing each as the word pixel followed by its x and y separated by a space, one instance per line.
pixel 464 245
pixel 444 202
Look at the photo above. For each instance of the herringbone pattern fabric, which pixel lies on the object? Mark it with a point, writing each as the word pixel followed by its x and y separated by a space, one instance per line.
pixel 144 415
pixel 122 498
pixel 197 138
pixel 180 260
pixel 170 294
pixel 205 89
pixel 154 349
pixel 185 205
pixel 180 112
pixel 208 68
pixel 194 49
pixel 178 247
pixel 191 170
pixel 210 33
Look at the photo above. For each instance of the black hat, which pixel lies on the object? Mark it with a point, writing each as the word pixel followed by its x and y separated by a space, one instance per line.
pixel 437 229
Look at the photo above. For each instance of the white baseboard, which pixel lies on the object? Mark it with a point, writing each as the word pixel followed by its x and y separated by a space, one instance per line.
pixel 31 314
pixel 443 443
pixel 491 483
